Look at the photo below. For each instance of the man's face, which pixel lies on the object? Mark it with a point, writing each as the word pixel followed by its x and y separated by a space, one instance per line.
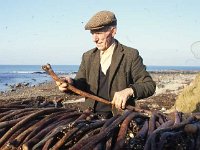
pixel 103 37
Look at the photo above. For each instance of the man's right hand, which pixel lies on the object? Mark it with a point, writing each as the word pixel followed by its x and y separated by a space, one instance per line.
pixel 63 86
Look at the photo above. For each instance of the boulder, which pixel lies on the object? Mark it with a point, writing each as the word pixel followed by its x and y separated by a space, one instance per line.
pixel 188 100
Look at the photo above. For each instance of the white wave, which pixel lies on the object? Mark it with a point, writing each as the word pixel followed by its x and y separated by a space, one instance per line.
pixel 27 72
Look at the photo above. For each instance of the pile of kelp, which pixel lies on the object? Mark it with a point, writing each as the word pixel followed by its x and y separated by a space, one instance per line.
pixel 45 126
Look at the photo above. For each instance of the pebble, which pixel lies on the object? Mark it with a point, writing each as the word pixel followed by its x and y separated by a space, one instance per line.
pixel 163 109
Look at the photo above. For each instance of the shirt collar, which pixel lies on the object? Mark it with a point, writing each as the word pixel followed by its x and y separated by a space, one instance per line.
pixel 109 50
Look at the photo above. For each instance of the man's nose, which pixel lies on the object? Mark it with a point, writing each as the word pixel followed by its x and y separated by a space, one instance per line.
pixel 95 37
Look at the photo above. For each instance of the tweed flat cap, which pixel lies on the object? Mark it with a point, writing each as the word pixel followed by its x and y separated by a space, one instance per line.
pixel 101 20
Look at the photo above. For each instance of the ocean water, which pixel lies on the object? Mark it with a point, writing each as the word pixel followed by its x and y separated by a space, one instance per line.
pixel 173 68
pixel 11 75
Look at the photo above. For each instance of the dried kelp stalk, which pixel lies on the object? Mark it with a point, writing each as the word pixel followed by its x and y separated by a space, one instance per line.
pixel 67 128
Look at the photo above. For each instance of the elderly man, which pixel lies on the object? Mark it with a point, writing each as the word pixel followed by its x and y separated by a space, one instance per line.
pixel 111 70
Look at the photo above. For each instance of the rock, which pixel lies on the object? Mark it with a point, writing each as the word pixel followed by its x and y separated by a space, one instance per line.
pixel 163 109
pixel 189 99
pixel 12 86
pixel 18 85
pixel 26 84
pixel 155 106
pixel 13 89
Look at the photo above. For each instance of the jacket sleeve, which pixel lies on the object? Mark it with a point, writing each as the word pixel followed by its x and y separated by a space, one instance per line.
pixel 143 84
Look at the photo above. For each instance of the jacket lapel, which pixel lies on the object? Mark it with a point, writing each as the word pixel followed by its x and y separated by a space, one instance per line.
pixel 94 73
pixel 116 59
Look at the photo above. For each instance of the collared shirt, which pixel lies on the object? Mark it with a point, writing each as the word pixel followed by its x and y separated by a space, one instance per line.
pixel 106 58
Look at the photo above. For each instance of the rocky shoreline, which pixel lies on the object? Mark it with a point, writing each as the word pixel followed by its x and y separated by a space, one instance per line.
pixel 169 84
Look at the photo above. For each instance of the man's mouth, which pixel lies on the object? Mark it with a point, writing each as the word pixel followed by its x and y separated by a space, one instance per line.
pixel 99 43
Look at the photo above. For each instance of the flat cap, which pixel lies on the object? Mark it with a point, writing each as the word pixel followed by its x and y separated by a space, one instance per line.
pixel 101 20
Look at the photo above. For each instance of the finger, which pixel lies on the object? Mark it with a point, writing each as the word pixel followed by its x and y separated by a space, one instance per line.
pixel 63 85
pixel 117 100
pixel 118 103
pixel 123 104
pixel 114 99
pixel 62 89
pixel 58 83
pixel 112 102
pixel 69 80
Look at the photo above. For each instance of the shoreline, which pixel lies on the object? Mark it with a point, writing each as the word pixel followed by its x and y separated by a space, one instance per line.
pixel 167 83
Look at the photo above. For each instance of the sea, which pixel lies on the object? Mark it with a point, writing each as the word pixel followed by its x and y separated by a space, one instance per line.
pixel 31 75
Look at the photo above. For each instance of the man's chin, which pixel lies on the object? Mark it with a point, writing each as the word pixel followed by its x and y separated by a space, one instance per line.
pixel 100 48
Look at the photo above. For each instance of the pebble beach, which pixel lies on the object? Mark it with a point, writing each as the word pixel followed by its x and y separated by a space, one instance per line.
pixel 169 85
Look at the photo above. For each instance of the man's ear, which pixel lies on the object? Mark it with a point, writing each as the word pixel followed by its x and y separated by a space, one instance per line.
pixel 114 31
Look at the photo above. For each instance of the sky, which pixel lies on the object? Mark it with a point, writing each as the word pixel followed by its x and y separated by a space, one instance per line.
pixel 36 32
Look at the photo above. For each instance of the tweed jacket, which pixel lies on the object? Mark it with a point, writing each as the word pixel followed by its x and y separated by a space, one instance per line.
pixel 126 70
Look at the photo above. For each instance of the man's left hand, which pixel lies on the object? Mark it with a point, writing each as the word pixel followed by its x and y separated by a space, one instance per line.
pixel 120 98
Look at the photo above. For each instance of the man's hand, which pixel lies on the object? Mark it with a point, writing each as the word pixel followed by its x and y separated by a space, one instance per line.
pixel 63 86
pixel 120 98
